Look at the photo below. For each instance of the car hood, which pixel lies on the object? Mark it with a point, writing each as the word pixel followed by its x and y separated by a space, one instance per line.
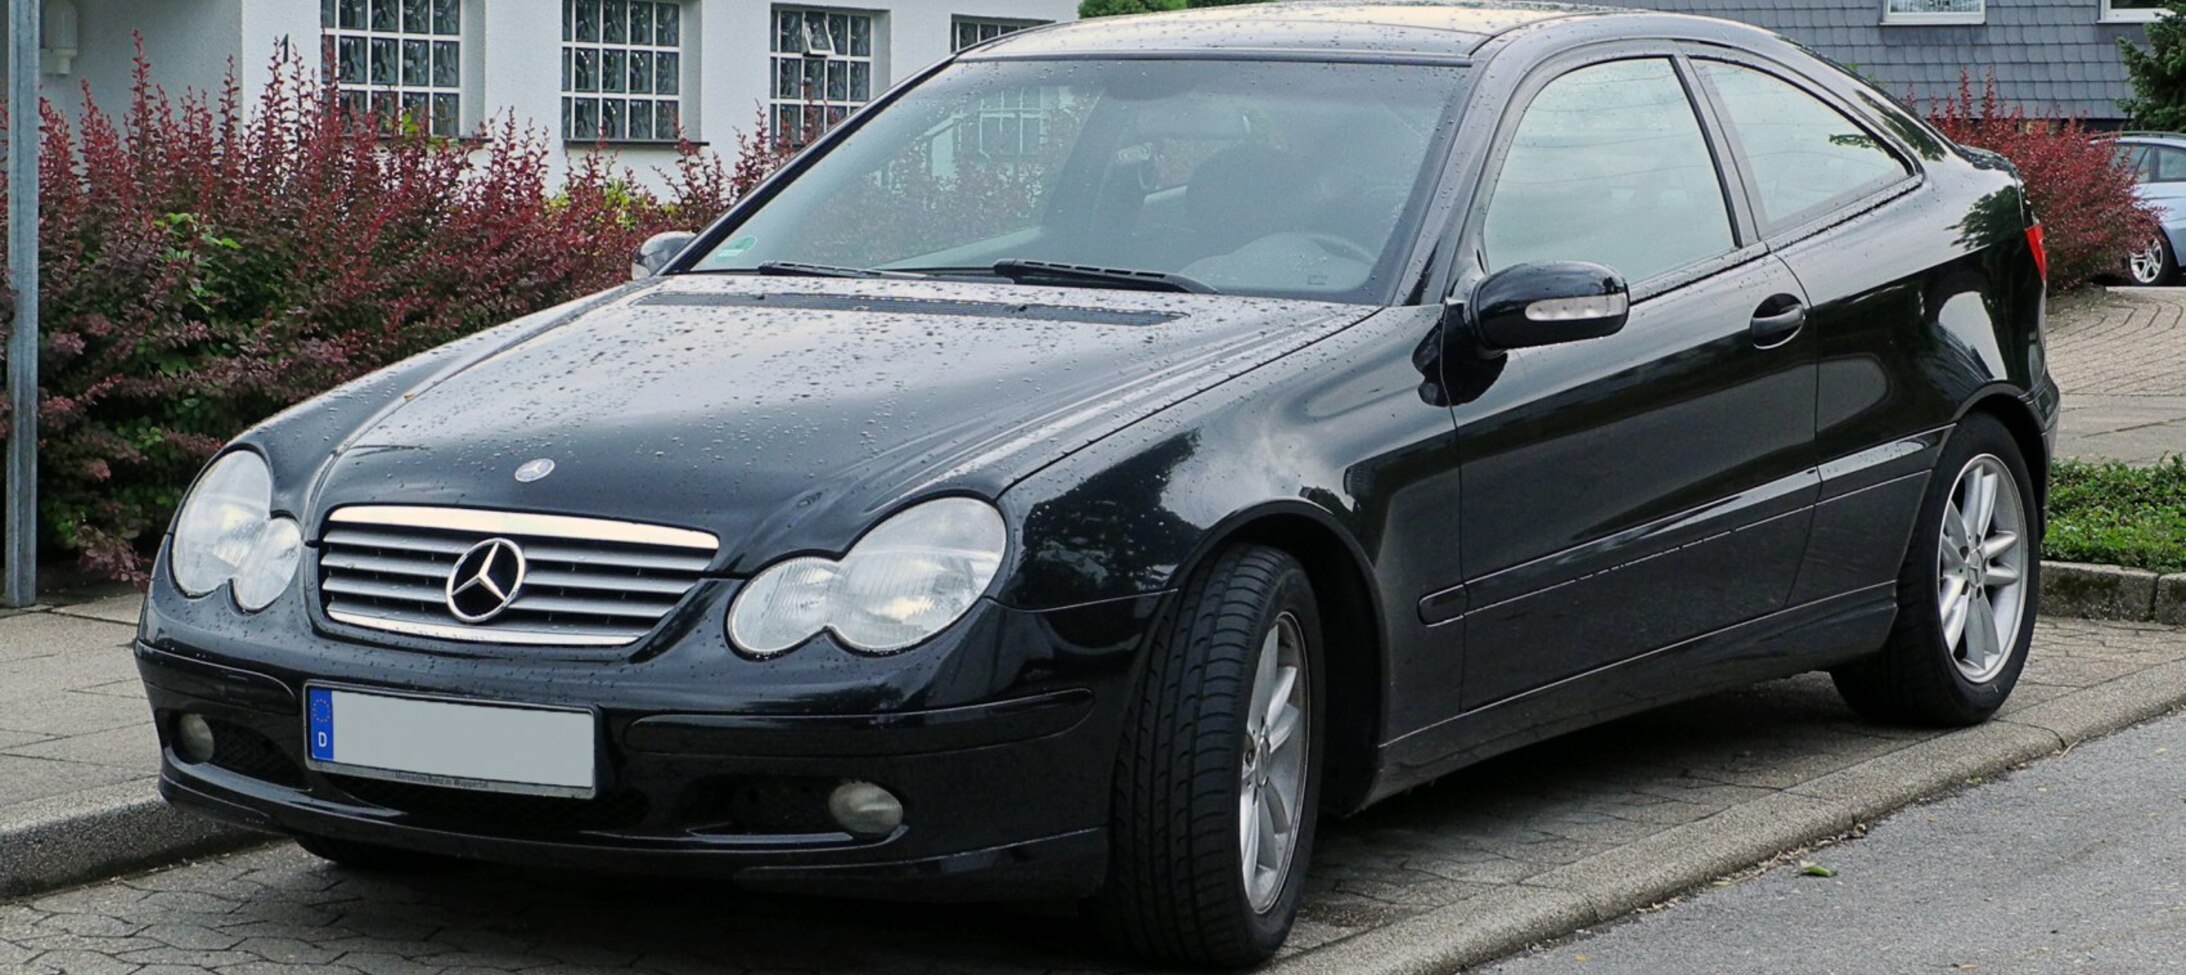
pixel 786 414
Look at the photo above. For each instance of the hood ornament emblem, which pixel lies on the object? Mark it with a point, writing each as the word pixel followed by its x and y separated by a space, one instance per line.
pixel 485 580
pixel 532 470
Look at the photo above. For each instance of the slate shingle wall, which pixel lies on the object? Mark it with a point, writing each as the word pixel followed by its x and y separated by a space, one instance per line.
pixel 2047 54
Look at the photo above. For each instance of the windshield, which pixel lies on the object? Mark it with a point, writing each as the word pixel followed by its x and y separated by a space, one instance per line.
pixel 1275 178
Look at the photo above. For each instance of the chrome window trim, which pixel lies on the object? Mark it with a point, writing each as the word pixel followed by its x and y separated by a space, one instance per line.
pixel 524 523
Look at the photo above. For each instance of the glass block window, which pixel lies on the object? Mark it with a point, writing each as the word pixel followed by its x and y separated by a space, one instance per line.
pixel 1934 11
pixel 822 68
pixel 622 70
pixel 401 60
pixel 967 31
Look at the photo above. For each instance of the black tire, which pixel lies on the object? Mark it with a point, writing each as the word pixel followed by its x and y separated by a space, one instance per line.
pixel 1915 679
pixel 2165 265
pixel 1176 891
pixel 370 857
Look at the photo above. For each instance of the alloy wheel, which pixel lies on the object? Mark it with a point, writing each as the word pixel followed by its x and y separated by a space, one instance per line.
pixel 1272 777
pixel 2146 265
pixel 1981 568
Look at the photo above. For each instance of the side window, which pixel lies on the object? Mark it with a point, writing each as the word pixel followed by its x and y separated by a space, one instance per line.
pixel 2136 159
pixel 2165 165
pixel 1608 165
pixel 1806 157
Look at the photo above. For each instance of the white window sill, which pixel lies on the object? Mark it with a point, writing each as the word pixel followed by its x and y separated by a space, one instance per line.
pixel 1931 20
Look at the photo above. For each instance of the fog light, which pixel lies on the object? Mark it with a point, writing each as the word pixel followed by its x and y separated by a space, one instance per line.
pixel 193 738
pixel 865 809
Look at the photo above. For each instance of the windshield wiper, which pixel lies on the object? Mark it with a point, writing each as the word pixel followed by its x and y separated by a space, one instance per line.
pixel 829 271
pixel 1048 271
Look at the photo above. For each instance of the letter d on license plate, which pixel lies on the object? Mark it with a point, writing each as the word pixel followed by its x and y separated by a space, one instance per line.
pixel 455 743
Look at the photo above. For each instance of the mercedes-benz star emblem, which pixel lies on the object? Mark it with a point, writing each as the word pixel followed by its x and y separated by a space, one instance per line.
pixel 532 470
pixel 485 580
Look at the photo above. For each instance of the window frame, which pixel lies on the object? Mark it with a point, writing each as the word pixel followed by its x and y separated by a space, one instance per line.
pixel 684 74
pixel 331 34
pixel 1814 219
pixel 1932 17
pixel 1745 237
pixel 1011 25
pixel 875 60
pixel 2109 13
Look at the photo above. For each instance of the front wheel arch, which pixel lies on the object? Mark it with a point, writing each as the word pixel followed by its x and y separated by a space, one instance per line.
pixel 1350 608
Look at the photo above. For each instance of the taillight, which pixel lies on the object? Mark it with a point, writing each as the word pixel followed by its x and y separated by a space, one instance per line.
pixel 2041 252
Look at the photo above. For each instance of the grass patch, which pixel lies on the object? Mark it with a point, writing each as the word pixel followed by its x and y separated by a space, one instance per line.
pixel 2118 514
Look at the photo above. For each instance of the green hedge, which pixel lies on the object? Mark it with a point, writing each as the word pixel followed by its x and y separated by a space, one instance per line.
pixel 2118 514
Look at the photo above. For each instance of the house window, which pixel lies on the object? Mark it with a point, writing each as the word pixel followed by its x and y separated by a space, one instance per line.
pixel 967 31
pixel 2131 11
pixel 622 70
pixel 822 68
pixel 400 60
pixel 1933 11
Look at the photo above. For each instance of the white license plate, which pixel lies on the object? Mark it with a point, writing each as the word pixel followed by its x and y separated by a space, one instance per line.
pixel 460 744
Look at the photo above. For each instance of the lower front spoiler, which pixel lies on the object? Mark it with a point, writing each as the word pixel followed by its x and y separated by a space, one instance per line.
pixel 1065 865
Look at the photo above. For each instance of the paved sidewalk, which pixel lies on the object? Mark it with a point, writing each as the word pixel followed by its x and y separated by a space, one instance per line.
pixel 72 715
pixel 2121 359
pixel 77 753
pixel 1529 846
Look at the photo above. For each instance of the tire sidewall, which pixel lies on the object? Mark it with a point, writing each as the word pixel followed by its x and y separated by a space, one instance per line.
pixel 1976 435
pixel 1293 593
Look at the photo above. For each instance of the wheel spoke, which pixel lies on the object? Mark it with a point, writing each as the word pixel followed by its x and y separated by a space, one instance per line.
pixel 1954 618
pixel 1982 642
pixel 2002 575
pixel 1998 543
pixel 1248 829
pixel 1263 680
pixel 1952 590
pixel 1984 505
pixel 1954 528
pixel 1282 726
pixel 1286 681
pixel 1275 807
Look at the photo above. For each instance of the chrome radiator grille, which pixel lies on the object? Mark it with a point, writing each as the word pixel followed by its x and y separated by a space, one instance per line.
pixel 549 579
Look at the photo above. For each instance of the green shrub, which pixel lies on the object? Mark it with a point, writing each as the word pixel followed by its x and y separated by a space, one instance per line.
pixel 2118 514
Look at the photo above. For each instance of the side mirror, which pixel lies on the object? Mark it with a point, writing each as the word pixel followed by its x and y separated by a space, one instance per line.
pixel 1547 303
pixel 657 251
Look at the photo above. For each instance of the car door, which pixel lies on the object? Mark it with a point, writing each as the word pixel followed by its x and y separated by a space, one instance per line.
pixel 1628 493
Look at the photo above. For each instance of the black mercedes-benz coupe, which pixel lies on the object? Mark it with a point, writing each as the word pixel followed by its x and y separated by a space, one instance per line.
pixel 1129 441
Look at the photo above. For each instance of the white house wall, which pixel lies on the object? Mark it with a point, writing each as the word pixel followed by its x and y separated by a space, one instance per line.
pixel 512 54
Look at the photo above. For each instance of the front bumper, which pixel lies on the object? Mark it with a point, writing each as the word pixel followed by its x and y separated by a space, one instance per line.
pixel 1005 793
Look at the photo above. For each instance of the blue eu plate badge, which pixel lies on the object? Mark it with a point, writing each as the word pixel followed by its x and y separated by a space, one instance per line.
pixel 321 705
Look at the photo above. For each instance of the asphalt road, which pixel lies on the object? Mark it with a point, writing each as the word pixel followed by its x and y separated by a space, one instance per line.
pixel 2071 865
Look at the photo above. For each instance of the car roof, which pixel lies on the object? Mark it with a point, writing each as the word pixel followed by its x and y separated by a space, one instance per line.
pixel 1367 27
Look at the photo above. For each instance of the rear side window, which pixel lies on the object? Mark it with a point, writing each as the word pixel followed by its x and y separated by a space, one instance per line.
pixel 1608 165
pixel 1805 156
pixel 2163 165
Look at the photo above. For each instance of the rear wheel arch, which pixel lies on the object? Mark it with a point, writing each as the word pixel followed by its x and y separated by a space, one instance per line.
pixel 2026 432
pixel 1354 643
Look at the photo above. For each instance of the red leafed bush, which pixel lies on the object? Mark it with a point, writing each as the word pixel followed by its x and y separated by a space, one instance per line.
pixel 2090 217
pixel 206 265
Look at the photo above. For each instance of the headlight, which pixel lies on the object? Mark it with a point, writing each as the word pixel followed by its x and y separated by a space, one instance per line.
pixel 903 582
pixel 227 533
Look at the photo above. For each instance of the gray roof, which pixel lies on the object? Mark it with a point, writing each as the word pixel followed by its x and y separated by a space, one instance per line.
pixel 2047 54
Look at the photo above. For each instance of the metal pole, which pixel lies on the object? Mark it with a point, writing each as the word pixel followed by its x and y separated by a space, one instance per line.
pixel 23 124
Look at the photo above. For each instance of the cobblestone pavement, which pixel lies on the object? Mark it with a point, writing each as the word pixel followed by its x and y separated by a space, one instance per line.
pixel 1472 835
pixel 2121 359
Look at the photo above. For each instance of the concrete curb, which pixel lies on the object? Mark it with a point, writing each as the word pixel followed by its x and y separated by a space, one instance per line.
pixel 2111 592
pixel 1633 876
pixel 101 833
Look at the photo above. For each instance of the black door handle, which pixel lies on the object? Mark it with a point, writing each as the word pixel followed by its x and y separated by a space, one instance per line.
pixel 1777 321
